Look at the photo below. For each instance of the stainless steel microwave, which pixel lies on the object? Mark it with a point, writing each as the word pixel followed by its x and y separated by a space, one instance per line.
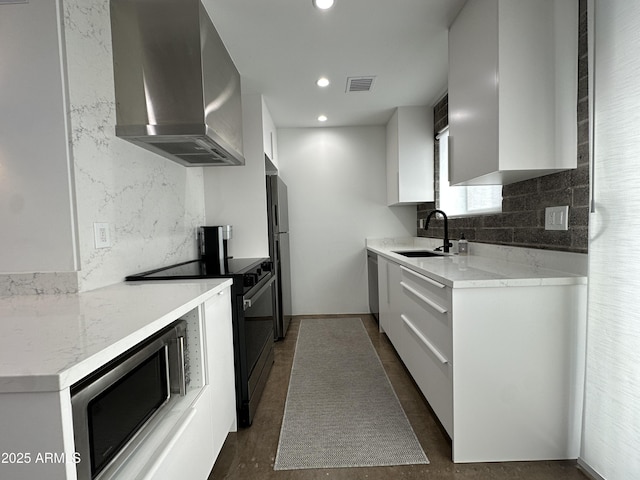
pixel 114 404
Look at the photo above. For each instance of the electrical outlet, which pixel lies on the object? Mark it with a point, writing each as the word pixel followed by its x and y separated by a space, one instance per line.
pixel 556 218
pixel 101 235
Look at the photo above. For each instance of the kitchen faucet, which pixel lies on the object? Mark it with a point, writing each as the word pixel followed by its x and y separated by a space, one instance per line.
pixel 447 244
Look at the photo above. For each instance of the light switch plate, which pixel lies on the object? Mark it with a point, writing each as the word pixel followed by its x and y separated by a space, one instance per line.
pixel 556 218
pixel 101 235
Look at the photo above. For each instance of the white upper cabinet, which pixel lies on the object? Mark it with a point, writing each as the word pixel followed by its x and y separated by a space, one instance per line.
pixel 512 90
pixel 36 177
pixel 410 156
pixel 269 137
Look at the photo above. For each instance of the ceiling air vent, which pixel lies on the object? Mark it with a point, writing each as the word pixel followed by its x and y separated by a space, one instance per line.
pixel 360 84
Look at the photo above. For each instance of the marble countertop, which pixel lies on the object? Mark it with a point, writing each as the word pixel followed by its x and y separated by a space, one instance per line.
pixel 486 266
pixel 49 342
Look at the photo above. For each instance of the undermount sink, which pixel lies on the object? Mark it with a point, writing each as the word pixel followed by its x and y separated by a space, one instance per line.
pixel 420 253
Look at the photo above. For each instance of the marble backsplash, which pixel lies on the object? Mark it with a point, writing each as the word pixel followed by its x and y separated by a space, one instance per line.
pixel 38 283
pixel 152 205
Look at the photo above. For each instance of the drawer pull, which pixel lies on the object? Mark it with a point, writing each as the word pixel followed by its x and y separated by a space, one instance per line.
pixel 426 300
pixel 424 340
pixel 422 277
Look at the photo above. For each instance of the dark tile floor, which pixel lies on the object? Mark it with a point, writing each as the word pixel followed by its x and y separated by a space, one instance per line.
pixel 250 453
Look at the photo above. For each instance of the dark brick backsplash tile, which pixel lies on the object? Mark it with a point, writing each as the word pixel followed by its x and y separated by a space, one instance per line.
pixel 583 41
pixel 583 65
pixel 581 196
pixel 583 87
pixel 580 175
pixel 548 199
pixel 578 217
pixel 514 204
pixel 495 235
pixel 441 113
pixel 555 181
pixel 583 154
pixel 520 188
pixel 425 208
pixel 583 132
pixel 583 109
pixel 580 239
pixel 494 221
pixel 540 236
pixel 516 219
pixel 467 222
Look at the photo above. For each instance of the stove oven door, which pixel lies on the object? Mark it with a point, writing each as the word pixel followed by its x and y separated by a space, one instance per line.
pixel 258 322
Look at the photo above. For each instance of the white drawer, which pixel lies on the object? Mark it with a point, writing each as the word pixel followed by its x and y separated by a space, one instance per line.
pixel 435 291
pixel 186 452
pixel 432 373
pixel 429 314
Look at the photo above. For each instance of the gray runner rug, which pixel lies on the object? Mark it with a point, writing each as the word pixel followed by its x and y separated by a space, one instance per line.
pixel 341 409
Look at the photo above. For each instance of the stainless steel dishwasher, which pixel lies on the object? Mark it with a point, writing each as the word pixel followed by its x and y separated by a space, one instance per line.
pixel 372 269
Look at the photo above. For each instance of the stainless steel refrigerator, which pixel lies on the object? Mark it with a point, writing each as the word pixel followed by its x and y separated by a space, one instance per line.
pixel 279 251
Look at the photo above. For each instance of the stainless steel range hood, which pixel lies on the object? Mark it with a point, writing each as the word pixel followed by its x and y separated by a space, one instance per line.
pixel 177 89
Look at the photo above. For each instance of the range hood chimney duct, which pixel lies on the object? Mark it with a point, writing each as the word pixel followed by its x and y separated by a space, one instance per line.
pixel 177 89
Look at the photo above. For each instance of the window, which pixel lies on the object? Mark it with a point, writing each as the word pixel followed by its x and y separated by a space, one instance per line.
pixel 463 201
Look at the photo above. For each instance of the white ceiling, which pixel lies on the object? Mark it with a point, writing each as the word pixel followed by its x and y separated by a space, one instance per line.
pixel 281 47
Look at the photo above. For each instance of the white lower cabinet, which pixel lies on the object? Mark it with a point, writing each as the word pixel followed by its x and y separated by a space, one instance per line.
pixel 427 341
pixel 186 452
pixel 220 368
pixel 191 447
pixel 183 443
pixel 188 442
pixel 501 367
pixel 389 295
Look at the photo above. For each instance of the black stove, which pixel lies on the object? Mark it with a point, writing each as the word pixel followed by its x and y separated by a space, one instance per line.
pixel 253 313
pixel 246 272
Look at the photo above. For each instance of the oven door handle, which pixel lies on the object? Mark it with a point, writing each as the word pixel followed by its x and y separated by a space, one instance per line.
pixel 248 302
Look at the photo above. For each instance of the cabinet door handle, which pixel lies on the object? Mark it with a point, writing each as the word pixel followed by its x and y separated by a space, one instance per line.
pixel 426 300
pixel 424 340
pixel 422 277
pixel 386 266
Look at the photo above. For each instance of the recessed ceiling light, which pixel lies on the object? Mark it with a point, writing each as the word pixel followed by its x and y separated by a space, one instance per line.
pixel 323 4
pixel 323 82
pixel 322 118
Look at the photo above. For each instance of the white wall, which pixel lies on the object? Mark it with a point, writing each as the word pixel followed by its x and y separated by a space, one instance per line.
pixel 336 180
pixel 151 204
pixel 611 433
pixel 237 195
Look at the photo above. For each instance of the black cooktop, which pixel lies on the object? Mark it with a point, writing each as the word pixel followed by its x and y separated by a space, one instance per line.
pixel 198 269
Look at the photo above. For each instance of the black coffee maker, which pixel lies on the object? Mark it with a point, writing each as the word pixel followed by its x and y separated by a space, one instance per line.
pixel 213 248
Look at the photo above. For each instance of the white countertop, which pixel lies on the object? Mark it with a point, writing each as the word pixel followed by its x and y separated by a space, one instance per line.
pixel 485 269
pixel 49 342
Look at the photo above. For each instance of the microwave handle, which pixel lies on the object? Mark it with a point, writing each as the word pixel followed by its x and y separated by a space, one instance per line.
pixel 182 371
